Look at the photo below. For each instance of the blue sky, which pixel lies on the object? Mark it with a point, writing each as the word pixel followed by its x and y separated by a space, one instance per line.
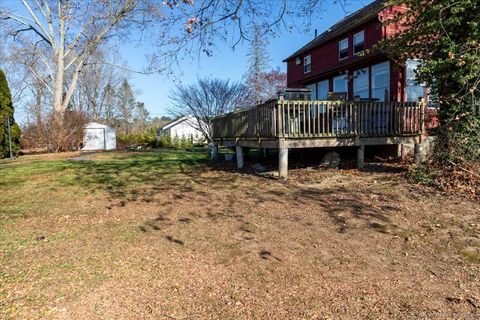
pixel 153 90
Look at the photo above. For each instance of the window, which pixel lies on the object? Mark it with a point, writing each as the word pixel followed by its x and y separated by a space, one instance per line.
pixel 360 83
pixel 340 84
pixel 381 81
pixel 343 49
pixel 322 90
pixel 313 88
pixel 298 61
pixel 307 64
pixel 358 42
pixel 415 91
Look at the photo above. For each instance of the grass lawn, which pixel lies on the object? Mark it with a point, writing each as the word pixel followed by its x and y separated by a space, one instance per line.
pixel 167 235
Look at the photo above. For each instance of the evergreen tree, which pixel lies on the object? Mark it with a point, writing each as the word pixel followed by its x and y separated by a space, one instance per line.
pixel 6 111
pixel 126 107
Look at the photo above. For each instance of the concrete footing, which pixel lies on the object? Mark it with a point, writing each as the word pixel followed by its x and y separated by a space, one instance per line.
pixel 239 151
pixel 419 154
pixel 361 157
pixel 283 163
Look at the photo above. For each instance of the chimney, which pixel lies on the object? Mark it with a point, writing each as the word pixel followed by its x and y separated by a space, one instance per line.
pixel 315 33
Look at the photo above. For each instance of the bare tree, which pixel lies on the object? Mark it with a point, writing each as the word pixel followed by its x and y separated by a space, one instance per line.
pixel 64 34
pixel 96 83
pixel 204 100
pixel 69 32
pixel 258 60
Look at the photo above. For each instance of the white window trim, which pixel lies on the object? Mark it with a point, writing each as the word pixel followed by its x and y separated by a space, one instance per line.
pixel 339 50
pixel 304 63
pixel 355 53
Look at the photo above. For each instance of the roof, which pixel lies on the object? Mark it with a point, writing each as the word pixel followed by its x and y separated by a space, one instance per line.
pixel 177 121
pixel 173 123
pixel 346 24
pixel 93 124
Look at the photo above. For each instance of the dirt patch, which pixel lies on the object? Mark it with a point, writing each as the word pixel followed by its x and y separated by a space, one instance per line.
pixel 193 242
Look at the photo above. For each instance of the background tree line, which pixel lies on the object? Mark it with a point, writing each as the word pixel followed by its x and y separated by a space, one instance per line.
pixel 55 49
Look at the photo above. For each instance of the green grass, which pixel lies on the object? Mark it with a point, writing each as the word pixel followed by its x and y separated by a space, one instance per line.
pixel 47 208
pixel 115 173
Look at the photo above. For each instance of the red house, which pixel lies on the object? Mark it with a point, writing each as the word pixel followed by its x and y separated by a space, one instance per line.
pixel 335 61
pixel 336 65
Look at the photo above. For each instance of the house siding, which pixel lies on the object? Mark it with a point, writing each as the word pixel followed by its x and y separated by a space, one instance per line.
pixel 325 58
pixel 326 55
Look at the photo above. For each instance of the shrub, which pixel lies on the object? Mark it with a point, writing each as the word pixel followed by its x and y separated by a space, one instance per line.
pixel 145 138
pixel 424 174
pixel 34 136
pixel 65 132
pixel 167 141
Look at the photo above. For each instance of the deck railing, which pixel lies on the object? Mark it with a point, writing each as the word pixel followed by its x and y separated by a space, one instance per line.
pixel 315 119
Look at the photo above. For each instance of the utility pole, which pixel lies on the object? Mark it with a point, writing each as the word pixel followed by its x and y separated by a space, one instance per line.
pixel 9 137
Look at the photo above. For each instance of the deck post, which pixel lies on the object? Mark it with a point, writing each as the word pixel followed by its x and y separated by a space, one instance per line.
pixel 283 163
pixel 239 157
pixel 418 153
pixel 401 151
pixel 361 156
pixel 214 152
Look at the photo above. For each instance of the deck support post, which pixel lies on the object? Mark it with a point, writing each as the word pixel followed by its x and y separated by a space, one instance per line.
pixel 239 157
pixel 361 157
pixel 283 163
pixel 401 151
pixel 214 152
pixel 418 153
pixel 264 152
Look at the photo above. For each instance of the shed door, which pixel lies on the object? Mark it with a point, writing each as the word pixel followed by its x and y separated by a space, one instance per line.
pixel 95 139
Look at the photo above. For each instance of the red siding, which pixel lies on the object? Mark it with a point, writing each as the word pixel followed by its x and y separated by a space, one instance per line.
pixel 326 55
pixel 387 14
pixel 294 72
pixel 397 80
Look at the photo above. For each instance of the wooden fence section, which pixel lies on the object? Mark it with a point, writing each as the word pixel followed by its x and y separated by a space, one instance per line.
pixel 314 119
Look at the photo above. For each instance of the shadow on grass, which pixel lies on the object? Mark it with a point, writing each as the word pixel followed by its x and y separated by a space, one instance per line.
pixel 140 177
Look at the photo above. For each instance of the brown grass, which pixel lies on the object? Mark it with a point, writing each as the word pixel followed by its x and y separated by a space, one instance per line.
pixel 164 236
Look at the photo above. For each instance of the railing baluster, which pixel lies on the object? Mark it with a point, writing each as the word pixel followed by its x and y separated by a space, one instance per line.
pixel 319 119
pixel 309 117
pixel 304 120
pixel 316 118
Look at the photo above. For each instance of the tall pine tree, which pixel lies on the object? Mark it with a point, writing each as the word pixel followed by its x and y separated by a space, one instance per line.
pixel 6 112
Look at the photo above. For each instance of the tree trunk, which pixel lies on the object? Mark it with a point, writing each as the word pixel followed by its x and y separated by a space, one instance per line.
pixel 59 78
pixel 38 102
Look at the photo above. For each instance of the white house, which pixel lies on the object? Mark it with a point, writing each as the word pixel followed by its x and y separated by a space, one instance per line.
pixel 99 137
pixel 183 128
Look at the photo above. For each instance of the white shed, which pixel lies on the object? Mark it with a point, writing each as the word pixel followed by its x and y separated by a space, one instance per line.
pixel 99 137
pixel 184 128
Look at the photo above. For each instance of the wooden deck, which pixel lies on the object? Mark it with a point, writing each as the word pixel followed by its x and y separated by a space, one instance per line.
pixel 285 124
